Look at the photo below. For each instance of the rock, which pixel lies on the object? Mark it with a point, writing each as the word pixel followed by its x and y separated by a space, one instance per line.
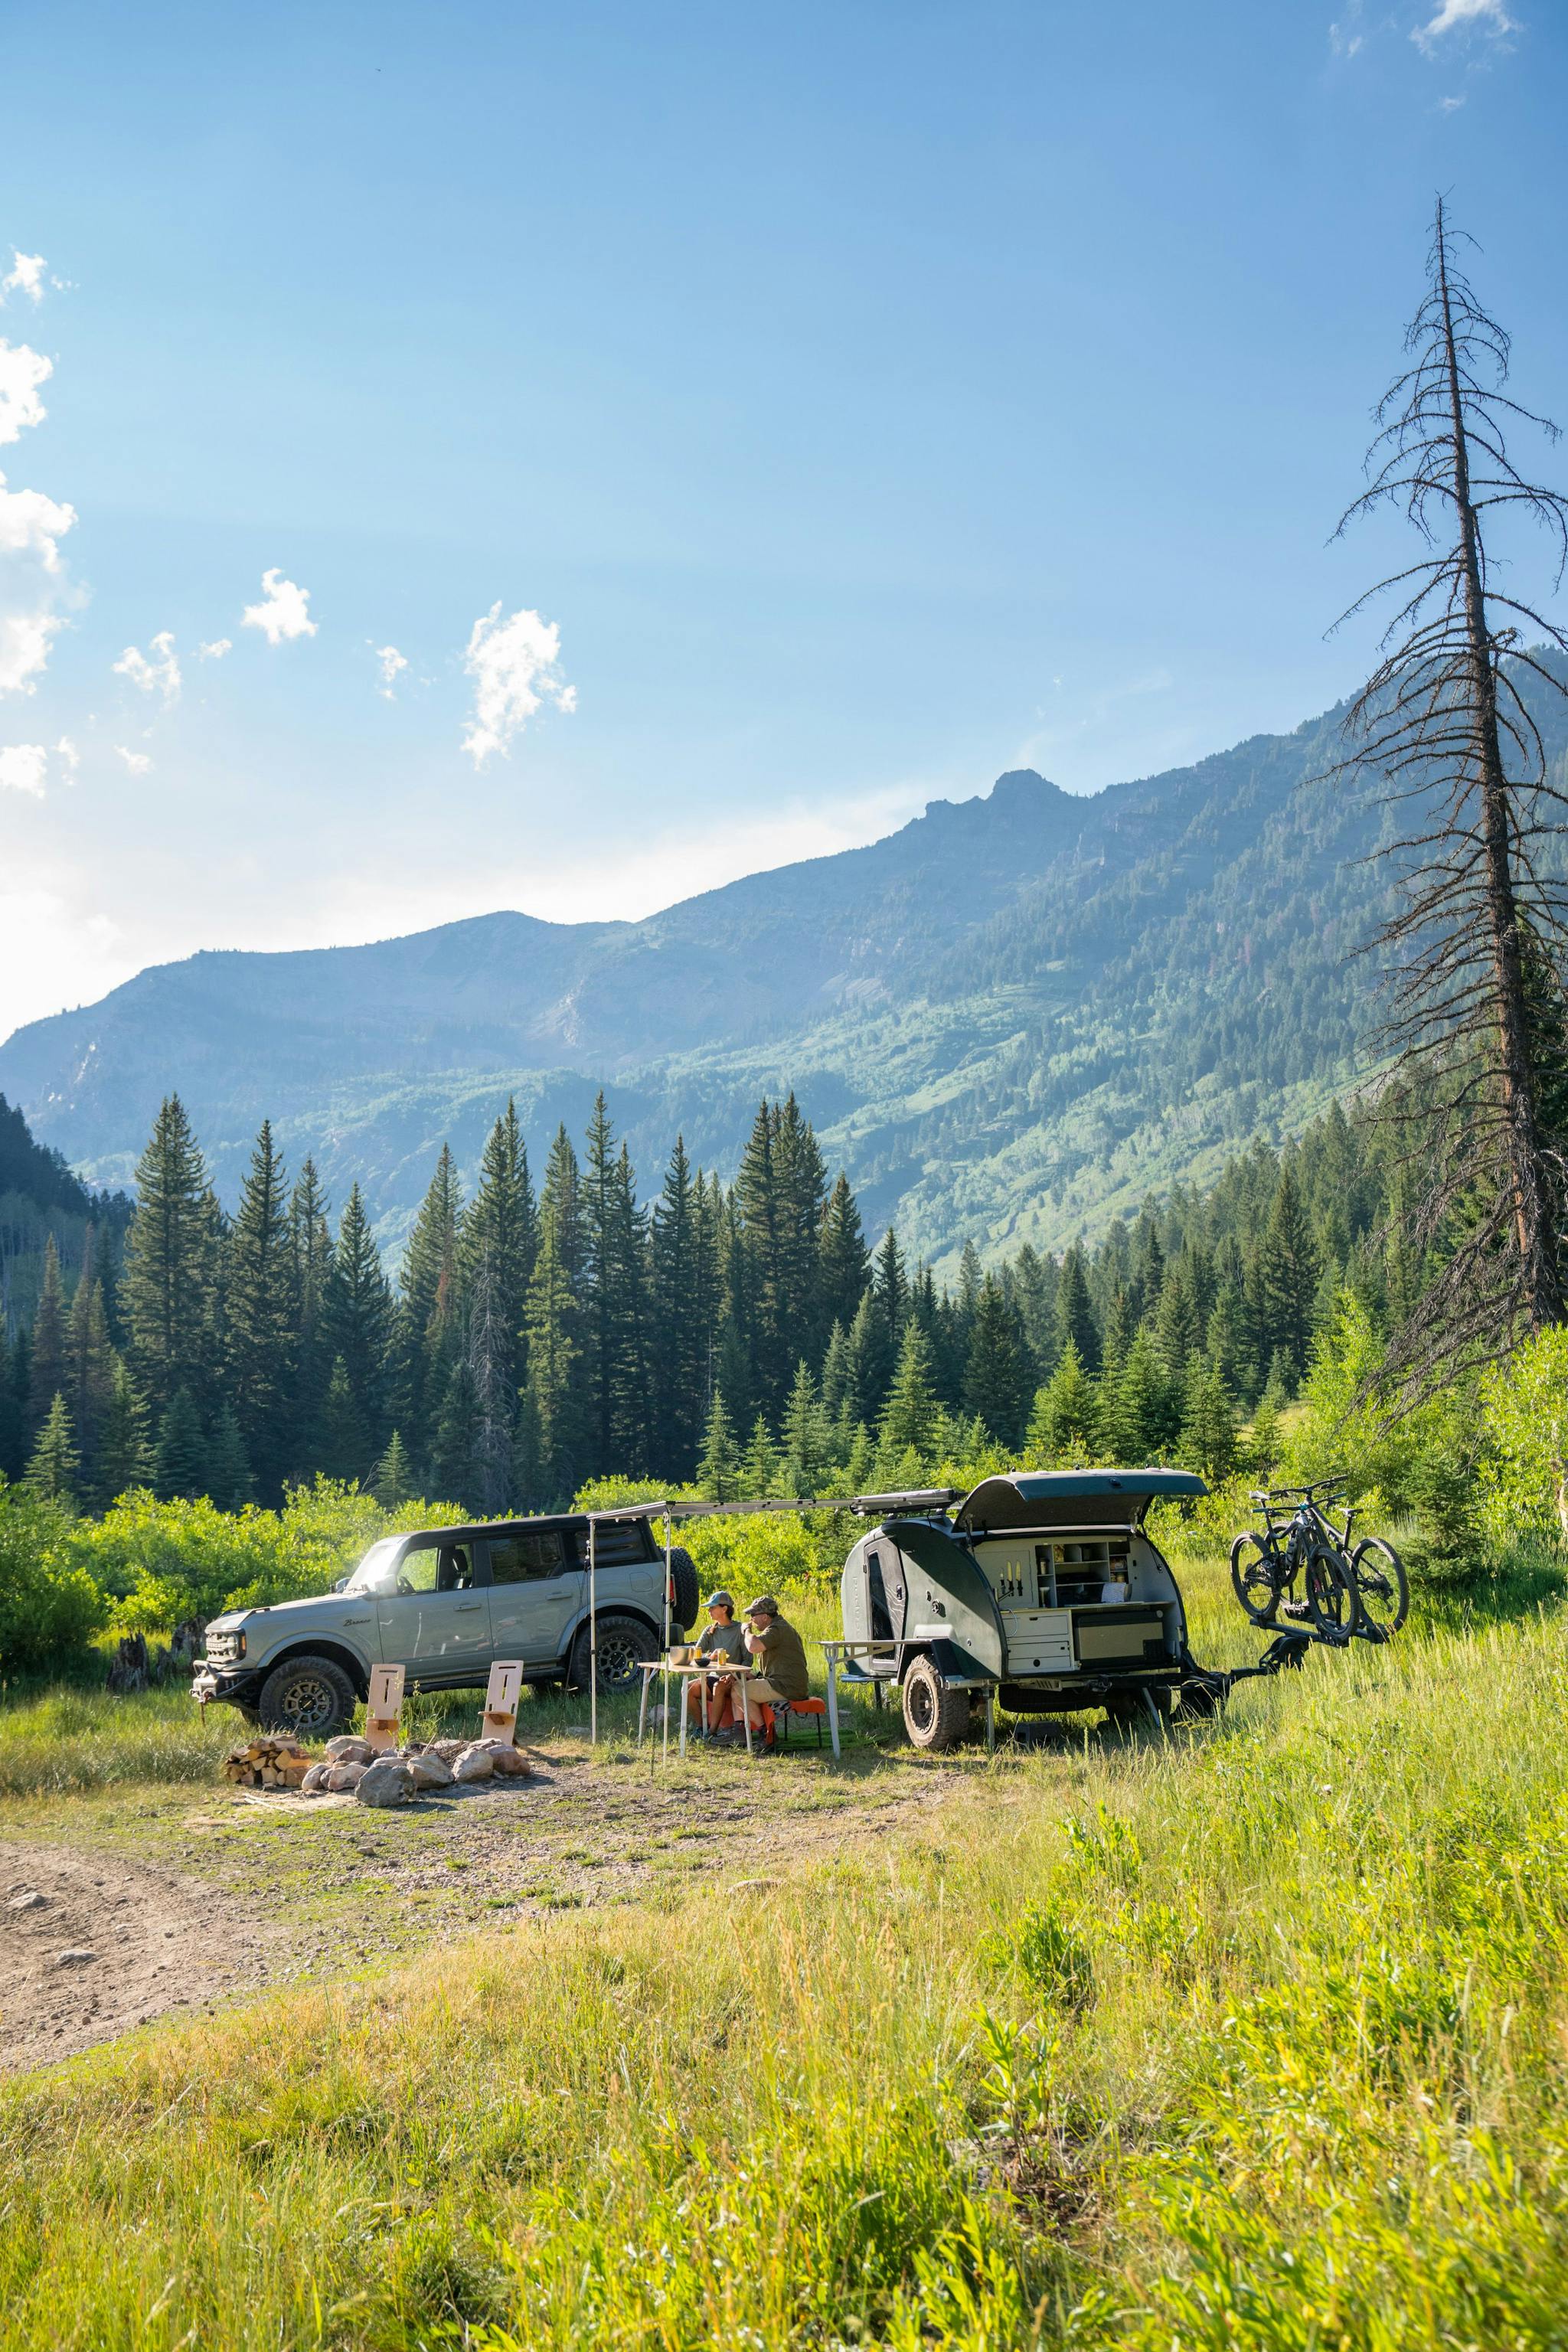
pixel 344 1776
pixel 475 1763
pixel 31 1901
pixel 75 1958
pixel 429 1772
pixel 449 1750
pixel 347 1749
pixel 510 1763
pixel 316 1778
pixel 386 1782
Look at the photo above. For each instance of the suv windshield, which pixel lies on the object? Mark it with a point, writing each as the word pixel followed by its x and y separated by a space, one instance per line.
pixel 375 1572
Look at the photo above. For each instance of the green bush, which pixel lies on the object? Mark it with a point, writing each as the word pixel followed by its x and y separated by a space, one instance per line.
pixel 49 1606
pixel 161 1562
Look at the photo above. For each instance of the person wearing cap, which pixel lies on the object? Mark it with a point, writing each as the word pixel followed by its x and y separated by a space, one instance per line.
pixel 778 1656
pixel 722 1641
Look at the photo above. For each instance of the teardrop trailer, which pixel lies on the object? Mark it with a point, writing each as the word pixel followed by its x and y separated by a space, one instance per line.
pixel 1040 1591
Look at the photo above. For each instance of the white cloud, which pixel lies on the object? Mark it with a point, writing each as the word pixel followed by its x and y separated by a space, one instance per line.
pixel 216 650
pixel 513 665
pixel 26 275
pixel 160 676
pixel 392 665
pixel 68 757
pixel 25 649
pixel 1450 105
pixel 283 611
pixel 52 949
pixel 137 762
pixel 32 524
pixel 1490 15
pixel 23 372
pixel 23 767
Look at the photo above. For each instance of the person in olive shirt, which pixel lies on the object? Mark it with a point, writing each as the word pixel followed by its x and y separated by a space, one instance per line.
pixel 720 1642
pixel 779 1655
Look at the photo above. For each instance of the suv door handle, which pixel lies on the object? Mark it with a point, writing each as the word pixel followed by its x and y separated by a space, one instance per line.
pixel 466 1604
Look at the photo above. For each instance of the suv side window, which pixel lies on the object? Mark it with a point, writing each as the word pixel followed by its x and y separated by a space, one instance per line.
pixel 436 1568
pixel 522 1559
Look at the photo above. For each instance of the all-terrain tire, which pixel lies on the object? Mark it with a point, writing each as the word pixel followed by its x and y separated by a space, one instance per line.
pixel 935 1717
pixel 311 1697
pixel 686 1597
pixel 625 1642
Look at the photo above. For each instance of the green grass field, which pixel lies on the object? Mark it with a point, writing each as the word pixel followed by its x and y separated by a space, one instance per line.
pixel 1254 2035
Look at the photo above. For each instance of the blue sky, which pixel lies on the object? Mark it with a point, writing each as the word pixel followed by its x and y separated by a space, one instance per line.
pixel 835 406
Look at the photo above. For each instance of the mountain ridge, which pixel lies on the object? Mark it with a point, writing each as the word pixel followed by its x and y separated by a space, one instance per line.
pixel 1008 1018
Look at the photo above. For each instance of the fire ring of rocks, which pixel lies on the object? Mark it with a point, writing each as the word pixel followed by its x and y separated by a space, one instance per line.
pixel 351 1766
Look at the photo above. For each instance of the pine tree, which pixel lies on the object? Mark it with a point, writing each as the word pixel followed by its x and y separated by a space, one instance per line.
pixel 228 1479
pixel 167 1289
pixel 552 1425
pixel 53 1466
pixel 1288 1269
pixel 719 1468
pixel 92 1363
pixel 344 1447
pixel 492 1398
pixel 682 1340
pixel 760 1466
pixel 124 1457
pixel 430 1328
pixel 870 1363
pixel 801 1191
pixel 807 1433
pixel 13 1363
pixel 843 1262
pixel 1065 1418
pixel 615 1307
pixel 359 1328
pixel 393 1483
pixel 889 1297
pixel 180 1459
pixel 996 1374
pixel 50 1370
pixel 909 1418
pixel 1141 1413
pixel 500 1229
pixel 1227 1340
pixel 1075 1315
pixel 260 1302
pixel 1178 1322
pixel 310 1257
pixel 1207 1439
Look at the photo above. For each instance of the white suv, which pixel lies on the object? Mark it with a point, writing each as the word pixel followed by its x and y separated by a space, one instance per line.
pixel 444 1604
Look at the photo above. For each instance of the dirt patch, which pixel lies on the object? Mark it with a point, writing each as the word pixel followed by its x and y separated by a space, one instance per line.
pixel 91 1945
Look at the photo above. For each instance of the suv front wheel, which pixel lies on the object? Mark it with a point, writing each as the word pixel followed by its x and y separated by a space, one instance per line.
pixel 624 1644
pixel 311 1697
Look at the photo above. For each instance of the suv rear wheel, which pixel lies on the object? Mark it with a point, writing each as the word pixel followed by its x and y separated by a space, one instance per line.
pixel 624 1643
pixel 935 1717
pixel 311 1697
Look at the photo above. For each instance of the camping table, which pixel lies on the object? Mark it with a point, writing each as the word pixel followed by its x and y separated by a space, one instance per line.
pixel 841 1653
pixel 663 1666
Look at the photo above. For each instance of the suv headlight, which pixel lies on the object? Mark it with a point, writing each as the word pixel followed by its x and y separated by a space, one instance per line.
pixel 226 1647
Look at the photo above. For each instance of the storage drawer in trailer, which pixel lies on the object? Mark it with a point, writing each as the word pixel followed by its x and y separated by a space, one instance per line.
pixel 1121 1636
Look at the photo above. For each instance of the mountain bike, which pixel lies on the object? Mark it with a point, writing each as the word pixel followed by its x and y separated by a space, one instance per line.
pixel 1300 1546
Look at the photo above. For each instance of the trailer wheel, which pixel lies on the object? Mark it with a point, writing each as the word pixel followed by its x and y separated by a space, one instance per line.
pixel 935 1717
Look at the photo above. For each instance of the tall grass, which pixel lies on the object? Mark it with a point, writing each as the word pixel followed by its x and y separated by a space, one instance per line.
pixel 1250 2036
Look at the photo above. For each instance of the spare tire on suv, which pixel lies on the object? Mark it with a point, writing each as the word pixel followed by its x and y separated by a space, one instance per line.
pixel 685 1596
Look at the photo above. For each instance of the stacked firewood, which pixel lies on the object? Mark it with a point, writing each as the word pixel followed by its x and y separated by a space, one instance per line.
pixel 270 1760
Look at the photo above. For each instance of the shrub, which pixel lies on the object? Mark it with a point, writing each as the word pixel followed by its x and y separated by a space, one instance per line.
pixel 165 1562
pixel 49 1606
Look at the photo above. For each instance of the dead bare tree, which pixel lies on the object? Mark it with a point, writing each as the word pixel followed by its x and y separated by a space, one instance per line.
pixel 1474 942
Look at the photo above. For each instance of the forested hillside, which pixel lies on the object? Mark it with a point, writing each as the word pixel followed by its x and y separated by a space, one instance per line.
pixel 1018 1014
pixel 743 1333
pixel 41 1202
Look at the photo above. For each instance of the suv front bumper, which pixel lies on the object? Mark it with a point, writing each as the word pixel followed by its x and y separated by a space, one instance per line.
pixel 233 1685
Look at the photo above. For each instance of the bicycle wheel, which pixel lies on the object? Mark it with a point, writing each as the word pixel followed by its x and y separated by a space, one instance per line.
pixel 1381 1590
pixel 1256 1571
pixel 1332 1602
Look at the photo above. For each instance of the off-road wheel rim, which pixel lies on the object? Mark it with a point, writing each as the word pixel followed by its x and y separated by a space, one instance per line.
pixel 921 1703
pixel 618 1662
pixel 307 1702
